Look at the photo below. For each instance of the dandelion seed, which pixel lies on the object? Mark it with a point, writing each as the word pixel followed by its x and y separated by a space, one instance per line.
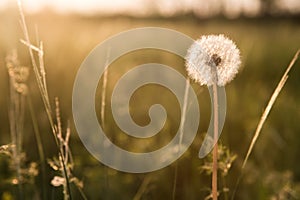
pixel 213 51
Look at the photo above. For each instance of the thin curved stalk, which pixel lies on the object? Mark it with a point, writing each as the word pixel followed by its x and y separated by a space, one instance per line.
pixel 215 150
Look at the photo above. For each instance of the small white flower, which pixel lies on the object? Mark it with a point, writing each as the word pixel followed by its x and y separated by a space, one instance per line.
pixel 57 181
pixel 213 51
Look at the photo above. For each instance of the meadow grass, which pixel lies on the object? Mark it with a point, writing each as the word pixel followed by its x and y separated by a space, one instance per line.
pixel 264 116
pixel 40 75
pixel 65 36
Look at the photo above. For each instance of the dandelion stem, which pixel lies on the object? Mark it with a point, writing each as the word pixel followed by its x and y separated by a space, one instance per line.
pixel 216 130
pixel 215 150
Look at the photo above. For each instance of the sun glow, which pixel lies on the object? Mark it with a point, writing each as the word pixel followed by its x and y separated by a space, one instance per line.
pixel 230 8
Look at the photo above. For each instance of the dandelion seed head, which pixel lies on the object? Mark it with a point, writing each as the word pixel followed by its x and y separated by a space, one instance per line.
pixel 213 51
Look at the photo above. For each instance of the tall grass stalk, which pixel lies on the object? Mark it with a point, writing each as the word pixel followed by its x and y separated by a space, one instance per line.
pixel 40 76
pixel 142 188
pixel 181 128
pixel 63 147
pixel 67 158
pixel 18 92
pixel 269 107
pixel 39 145
pixel 102 111
pixel 104 89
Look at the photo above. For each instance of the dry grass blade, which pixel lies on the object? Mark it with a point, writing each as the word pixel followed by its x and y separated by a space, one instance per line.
pixel 183 116
pixel 30 45
pixel 181 127
pixel 269 107
pixel 104 88
pixel 143 187
pixel 39 72
pixel 102 111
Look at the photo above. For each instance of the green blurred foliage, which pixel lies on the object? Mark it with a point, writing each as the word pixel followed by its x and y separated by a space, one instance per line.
pixel 267 46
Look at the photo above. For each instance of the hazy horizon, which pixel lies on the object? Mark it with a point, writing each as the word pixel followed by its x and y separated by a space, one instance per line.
pixel 230 8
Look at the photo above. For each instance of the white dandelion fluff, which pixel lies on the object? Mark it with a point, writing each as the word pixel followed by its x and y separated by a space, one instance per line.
pixel 209 52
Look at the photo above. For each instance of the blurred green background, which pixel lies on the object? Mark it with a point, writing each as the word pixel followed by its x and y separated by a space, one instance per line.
pixel 267 45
